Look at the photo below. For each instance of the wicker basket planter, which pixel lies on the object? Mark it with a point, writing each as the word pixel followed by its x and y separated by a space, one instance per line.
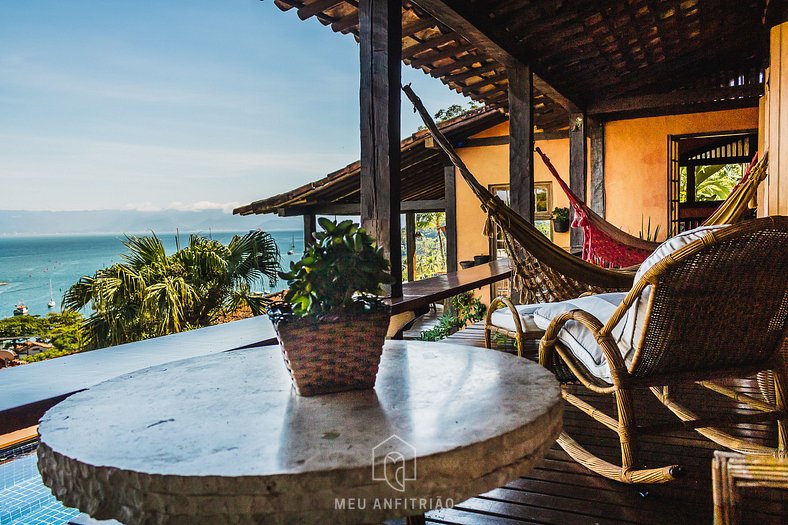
pixel 335 353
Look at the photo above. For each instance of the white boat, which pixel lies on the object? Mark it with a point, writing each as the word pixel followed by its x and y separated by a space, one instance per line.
pixel 291 251
pixel 21 309
pixel 51 303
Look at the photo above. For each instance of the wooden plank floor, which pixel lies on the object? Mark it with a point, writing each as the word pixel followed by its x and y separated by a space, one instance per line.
pixel 559 491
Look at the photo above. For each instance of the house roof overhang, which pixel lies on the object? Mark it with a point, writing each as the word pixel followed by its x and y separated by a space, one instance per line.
pixel 422 175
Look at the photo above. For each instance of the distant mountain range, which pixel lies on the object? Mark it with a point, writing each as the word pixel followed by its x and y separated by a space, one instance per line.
pixel 22 222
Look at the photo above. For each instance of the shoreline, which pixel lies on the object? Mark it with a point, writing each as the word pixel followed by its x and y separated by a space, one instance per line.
pixel 5 235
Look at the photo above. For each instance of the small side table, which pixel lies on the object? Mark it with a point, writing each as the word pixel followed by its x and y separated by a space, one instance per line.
pixel 731 472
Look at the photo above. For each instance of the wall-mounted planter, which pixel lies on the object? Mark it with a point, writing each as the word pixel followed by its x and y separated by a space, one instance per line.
pixel 560 225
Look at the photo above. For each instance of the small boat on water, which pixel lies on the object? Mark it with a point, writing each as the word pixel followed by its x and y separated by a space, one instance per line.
pixel 51 303
pixel 291 251
pixel 20 309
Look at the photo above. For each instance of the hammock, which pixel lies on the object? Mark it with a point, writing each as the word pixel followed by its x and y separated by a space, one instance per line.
pixel 606 245
pixel 542 271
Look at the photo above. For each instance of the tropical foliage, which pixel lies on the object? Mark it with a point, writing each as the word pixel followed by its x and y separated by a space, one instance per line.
pixel 712 183
pixel 430 246
pixel 342 269
pixel 152 293
pixel 455 110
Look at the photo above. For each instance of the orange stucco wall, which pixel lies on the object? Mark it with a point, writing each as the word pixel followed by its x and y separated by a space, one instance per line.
pixel 636 162
pixel 636 168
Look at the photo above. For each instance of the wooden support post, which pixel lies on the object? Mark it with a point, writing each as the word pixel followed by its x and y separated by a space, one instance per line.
pixel 521 141
pixel 578 171
pixel 691 184
pixel 310 226
pixel 410 244
pixel 597 135
pixel 380 32
pixel 450 193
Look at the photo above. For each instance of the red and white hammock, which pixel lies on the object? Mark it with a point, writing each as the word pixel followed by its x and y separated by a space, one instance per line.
pixel 608 246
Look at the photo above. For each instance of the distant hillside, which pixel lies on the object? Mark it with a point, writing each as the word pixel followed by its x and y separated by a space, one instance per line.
pixel 19 222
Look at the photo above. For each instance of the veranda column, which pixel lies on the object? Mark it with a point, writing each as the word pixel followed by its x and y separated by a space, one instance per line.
pixel 380 28
pixel 597 136
pixel 450 195
pixel 521 141
pixel 310 226
pixel 776 185
pixel 410 244
pixel 578 171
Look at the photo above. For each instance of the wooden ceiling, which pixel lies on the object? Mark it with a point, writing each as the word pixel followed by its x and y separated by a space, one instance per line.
pixel 592 50
pixel 422 177
pixel 595 52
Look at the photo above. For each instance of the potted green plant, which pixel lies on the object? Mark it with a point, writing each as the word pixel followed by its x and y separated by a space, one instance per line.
pixel 561 220
pixel 333 322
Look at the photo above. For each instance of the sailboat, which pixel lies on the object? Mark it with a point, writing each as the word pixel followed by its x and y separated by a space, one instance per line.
pixel 51 303
pixel 291 251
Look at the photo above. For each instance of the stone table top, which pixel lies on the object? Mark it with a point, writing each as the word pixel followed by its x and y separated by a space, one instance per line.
pixel 225 439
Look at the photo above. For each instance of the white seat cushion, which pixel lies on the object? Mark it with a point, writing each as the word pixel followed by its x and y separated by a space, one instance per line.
pixel 503 317
pixel 629 331
pixel 575 336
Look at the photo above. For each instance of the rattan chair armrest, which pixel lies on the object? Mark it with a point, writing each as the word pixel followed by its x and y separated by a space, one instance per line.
pixel 615 360
pixel 501 300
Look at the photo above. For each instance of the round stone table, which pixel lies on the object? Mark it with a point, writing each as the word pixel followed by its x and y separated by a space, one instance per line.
pixel 225 439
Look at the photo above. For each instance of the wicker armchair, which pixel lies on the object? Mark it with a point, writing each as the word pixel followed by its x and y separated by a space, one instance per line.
pixel 516 328
pixel 716 309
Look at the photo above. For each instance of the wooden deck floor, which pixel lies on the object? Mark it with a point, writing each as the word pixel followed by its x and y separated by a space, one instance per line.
pixel 559 491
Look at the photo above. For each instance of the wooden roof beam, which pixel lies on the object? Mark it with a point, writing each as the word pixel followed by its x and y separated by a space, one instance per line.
pixel 677 101
pixel 450 17
pixel 332 208
pixel 412 51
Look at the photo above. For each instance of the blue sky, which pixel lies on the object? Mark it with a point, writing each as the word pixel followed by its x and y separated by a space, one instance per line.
pixel 152 104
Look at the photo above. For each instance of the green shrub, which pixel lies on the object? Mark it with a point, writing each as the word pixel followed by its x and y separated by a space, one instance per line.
pixel 467 308
pixel 561 214
pixel 447 324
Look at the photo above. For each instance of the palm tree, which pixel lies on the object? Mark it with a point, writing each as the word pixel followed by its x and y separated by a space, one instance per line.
pixel 151 293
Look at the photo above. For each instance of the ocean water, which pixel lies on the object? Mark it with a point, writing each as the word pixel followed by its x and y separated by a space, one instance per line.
pixel 29 263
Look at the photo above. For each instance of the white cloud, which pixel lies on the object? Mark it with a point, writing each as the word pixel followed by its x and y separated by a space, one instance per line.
pixel 143 206
pixel 226 207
